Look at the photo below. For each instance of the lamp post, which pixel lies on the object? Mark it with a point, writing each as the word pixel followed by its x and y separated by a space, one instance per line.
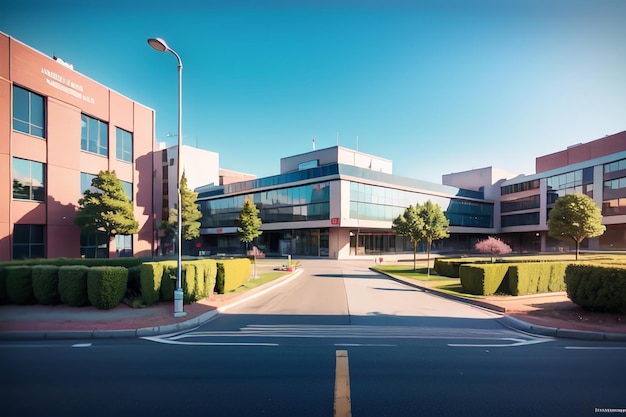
pixel 159 44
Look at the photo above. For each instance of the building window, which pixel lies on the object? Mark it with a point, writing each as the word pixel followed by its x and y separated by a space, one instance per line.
pixel 128 188
pixel 94 135
pixel 29 241
pixel 123 145
pixel 124 246
pixel 85 183
pixel 28 180
pixel 615 166
pixel 28 112
pixel 615 184
pixel 518 188
pixel 94 245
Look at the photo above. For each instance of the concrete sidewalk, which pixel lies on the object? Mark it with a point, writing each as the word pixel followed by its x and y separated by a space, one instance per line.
pixel 38 322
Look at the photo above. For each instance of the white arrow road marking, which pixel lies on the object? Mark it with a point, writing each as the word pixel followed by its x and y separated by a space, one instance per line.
pixel 81 345
pixel 175 342
pixel 519 342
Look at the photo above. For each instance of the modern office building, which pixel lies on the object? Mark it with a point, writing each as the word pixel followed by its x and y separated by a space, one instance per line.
pixel 58 129
pixel 337 203
pixel 200 167
pixel 596 168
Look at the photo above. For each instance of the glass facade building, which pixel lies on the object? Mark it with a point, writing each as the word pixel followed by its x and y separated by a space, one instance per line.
pixel 334 210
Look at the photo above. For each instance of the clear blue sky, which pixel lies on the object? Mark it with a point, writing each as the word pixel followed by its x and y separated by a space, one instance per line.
pixel 436 86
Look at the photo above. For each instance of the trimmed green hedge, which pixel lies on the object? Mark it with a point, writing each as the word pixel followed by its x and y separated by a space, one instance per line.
pixel 151 276
pixel 231 274
pixel 198 280
pixel 484 279
pixel 125 262
pixel 449 267
pixel 534 278
pixel 4 296
pixel 73 285
pixel 19 285
pixel 46 284
pixel 106 286
pixel 597 287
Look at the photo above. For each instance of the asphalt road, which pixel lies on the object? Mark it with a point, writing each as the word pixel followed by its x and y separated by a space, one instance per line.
pixel 407 353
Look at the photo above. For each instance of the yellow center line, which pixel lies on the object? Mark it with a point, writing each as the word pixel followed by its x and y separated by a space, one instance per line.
pixel 342 385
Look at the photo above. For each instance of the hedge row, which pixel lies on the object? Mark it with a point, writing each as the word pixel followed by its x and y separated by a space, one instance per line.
pixel 231 274
pixel 483 279
pixel 77 285
pixel 158 280
pixel 597 287
pixel 513 278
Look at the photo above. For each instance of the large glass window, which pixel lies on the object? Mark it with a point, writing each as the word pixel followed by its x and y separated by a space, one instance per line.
pixel 615 184
pixel 303 203
pixel 29 241
pixel 520 219
pixel 124 245
pixel 94 245
pixel 94 135
pixel 370 202
pixel 615 166
pixel 28 112
pixel 123 145
pixel 28 180
pixel 526 203
pixel 518 188
pixel 574 182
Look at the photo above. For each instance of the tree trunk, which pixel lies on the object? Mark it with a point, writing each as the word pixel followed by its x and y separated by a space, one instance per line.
pixel 428 242
pixel 577 248
pixel 414 255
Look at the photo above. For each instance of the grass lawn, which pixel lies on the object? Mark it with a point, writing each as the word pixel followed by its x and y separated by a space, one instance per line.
pixel 263 278
pixel 453 285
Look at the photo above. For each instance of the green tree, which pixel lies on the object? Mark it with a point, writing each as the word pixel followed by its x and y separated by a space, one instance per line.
pixel 106 208
pixel 422 222
pixel 190 214
pixel 409 224
pixel 435 226
pixel 249 223
pixel 576 217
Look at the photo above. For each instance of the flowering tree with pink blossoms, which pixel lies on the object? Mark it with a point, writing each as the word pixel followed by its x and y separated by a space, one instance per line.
pixel 493 246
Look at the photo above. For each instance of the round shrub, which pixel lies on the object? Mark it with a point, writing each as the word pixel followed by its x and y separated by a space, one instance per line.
pixel 46 284
pixel 19 285
pixel 73 285
pixel 106 286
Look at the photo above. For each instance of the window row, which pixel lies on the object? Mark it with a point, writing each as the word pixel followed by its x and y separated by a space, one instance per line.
pixel 615 184
pixel 615 166
pixel 520 219
pixel 526 203
pixel 518 188
pixel 614 207
pixel 29 116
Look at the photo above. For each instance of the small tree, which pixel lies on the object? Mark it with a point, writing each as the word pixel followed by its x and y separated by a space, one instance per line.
pixel 107 209
pixel 575 217
pixel 435 226
pixel 249 223
pixel 410 225
pixel 190 214
pixel 493 246
pixel 249 226
pixel 422 222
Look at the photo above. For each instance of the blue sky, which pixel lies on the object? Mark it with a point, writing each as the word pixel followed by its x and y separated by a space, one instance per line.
pixel 436 86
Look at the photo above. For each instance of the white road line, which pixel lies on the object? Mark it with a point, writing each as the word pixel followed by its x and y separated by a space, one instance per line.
pixel 175 342
pixel 519 342
pixel 595 347
pixel 81 345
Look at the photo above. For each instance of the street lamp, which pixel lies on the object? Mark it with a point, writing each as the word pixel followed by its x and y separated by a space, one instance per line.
pixel 159 44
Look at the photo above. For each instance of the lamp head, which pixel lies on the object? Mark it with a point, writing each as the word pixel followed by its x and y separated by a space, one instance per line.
pixel 158 44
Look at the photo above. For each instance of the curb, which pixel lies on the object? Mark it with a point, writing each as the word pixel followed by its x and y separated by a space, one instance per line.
pixel 147 331
pixel 515 323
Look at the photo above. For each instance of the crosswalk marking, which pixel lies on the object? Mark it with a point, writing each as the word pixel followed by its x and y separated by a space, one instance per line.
pixel 351 331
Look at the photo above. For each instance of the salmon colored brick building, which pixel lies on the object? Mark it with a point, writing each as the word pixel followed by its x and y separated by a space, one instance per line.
pixel 58 129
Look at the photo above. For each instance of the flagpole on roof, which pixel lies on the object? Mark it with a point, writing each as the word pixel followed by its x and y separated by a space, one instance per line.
pixel 313 143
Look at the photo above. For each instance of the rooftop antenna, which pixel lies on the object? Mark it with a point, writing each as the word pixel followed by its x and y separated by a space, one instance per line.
pixel 357 143
pixel 313 140
pixel 337 138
